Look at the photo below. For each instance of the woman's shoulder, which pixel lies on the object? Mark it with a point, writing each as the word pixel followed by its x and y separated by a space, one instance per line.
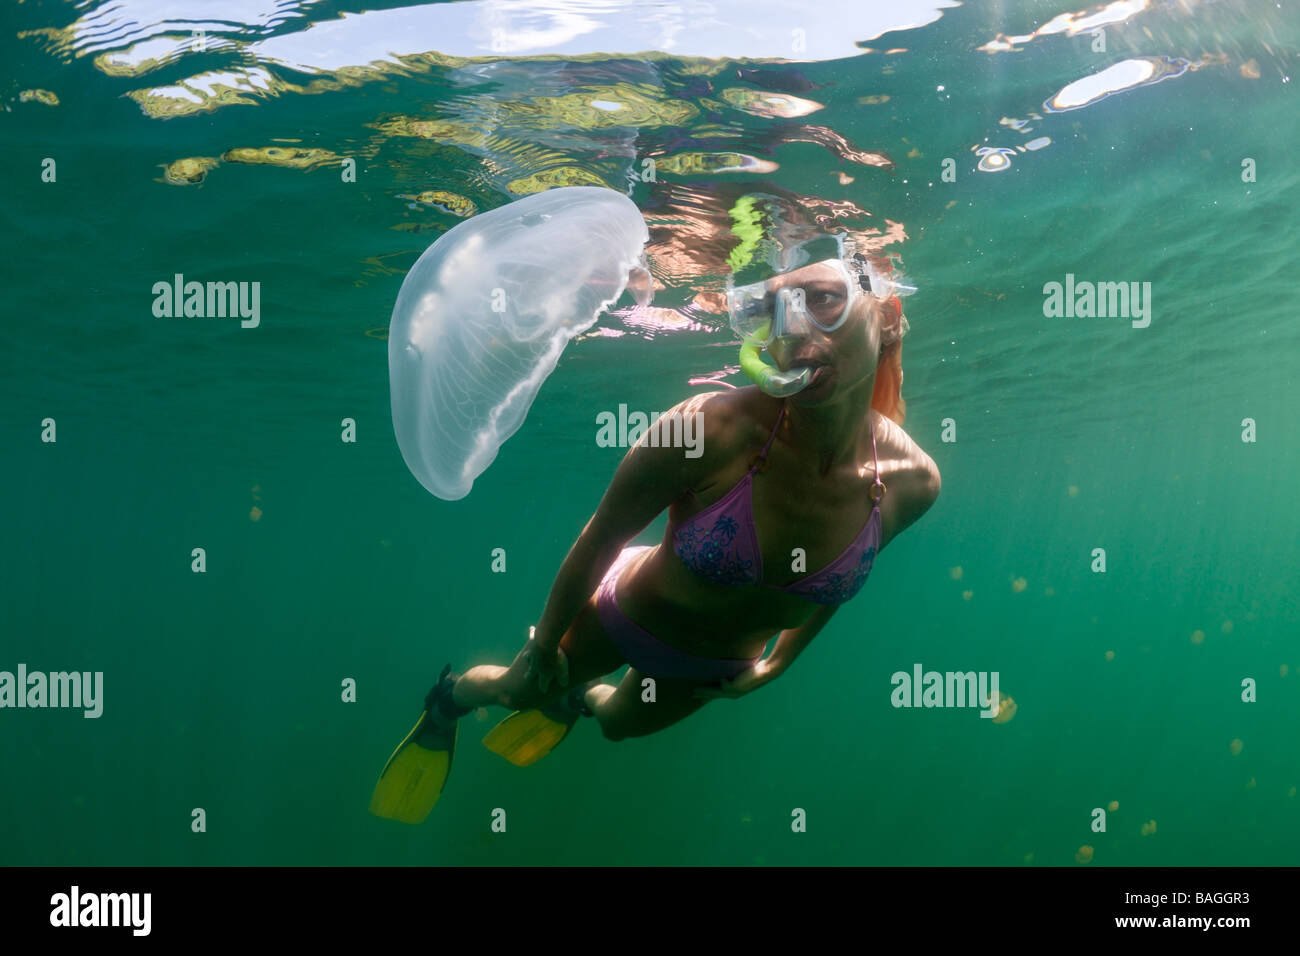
pixel 731 420
pixel 913 474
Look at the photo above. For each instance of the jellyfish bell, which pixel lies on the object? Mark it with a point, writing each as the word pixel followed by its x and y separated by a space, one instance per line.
pixel 485 313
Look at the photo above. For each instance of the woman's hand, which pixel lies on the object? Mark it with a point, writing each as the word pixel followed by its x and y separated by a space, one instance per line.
pixel 747 680
pixel 544 665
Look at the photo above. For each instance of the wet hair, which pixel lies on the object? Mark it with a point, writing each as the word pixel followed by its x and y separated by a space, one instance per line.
pixel 887 393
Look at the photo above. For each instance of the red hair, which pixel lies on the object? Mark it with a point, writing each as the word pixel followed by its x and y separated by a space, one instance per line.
pixel 887 394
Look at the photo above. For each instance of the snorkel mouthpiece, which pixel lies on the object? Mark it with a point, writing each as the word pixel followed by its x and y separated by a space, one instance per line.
pixel 771 380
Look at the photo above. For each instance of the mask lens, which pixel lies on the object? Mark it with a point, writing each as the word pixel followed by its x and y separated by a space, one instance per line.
pixel 750 307
pixel 818 296
pixel 825 301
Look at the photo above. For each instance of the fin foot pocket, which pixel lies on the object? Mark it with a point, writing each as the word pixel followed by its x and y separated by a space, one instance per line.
pixel 413 779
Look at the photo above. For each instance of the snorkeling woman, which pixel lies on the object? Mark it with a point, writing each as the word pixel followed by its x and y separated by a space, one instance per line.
pixel 809 470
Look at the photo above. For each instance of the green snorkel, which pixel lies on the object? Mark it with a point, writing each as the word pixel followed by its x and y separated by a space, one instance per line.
pixel 747 225
pixel 769 378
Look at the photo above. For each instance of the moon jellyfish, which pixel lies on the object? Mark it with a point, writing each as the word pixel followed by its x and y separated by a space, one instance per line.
pixel 486 311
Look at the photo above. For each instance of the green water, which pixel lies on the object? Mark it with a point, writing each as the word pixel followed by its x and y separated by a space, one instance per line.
pixel 222 690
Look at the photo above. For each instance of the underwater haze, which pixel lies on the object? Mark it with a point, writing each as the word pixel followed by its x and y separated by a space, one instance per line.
pixel 1117 532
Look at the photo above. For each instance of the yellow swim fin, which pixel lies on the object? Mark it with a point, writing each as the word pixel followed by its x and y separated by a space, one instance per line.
pixel 413 778
pixel 526 736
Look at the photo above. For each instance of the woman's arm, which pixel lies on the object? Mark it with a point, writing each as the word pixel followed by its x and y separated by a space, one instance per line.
pixel 790 644
pixel 647 481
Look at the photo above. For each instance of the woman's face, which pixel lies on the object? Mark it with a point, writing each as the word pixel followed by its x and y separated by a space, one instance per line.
pixel 843 359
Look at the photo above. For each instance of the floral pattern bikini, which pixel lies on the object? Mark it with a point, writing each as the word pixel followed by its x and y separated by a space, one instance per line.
pixel 720 543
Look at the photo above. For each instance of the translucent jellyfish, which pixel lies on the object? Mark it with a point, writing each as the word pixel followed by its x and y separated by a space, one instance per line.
pixel 1083 854
pixel 1006 709
pixel 484 314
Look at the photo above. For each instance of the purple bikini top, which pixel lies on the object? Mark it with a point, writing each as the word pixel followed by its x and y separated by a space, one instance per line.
pixel 720 543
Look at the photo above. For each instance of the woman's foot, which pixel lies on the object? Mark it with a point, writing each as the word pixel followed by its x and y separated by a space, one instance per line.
pixel 573 704
pixel 526 736
pixel 442 708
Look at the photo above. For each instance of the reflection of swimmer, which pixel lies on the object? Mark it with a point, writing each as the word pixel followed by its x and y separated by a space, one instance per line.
pixel 777 477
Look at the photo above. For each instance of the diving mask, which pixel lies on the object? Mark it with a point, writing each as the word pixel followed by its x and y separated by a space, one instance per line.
pixel 820 296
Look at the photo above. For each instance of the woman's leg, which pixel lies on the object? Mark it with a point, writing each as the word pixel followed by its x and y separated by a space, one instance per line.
pixel 590 654
pixel 622 713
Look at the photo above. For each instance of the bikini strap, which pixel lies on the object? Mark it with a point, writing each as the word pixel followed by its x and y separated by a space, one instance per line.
pixel 759 462
pixel 875 498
